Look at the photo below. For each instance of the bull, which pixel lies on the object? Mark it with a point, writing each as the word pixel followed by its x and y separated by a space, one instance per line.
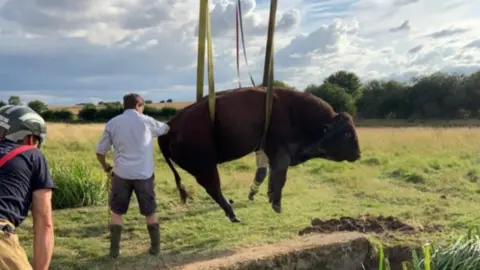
pixel 302 127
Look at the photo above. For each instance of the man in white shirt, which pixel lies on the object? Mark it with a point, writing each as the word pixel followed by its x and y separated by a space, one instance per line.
pixel 132 135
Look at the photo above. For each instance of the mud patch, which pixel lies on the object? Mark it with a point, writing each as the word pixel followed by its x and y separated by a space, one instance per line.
pixel 366 224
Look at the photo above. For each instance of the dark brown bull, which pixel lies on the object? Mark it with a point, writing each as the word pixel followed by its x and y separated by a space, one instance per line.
pixel 302 127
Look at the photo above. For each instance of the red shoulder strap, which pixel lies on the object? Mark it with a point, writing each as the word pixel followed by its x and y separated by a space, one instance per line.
pixel 14 153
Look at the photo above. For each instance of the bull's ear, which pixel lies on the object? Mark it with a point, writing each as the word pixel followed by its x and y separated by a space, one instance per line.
pixel 337 119
pixel 340 118
pixel 327 127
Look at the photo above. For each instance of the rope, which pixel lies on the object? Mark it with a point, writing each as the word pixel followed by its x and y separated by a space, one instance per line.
pixel 269 47
pixel 239 17
pixel 236 43
pixel 201 49
pixel 204 31
pixel 268 70
pixel 211 80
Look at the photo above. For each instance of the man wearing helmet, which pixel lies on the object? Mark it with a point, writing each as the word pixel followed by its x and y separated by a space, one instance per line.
pixel 24 180
pixel 131 134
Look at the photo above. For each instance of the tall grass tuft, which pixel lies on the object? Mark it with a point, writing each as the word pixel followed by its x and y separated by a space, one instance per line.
pixel 463 254
pixel 77 184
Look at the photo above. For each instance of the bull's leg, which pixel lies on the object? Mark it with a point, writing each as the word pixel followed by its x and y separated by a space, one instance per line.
pixel 260 174
pixel 277 179
pixel 211 182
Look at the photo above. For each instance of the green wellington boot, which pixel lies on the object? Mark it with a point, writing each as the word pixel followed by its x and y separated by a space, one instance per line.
pixel 154 232
pixel 115 235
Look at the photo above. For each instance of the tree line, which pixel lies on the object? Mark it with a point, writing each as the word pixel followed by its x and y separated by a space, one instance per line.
pixel 440 95
pixel 89 112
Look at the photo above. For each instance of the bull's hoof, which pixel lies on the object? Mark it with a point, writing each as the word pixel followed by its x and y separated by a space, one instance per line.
pixel 234 219
pixel 251 196
pixel 277 208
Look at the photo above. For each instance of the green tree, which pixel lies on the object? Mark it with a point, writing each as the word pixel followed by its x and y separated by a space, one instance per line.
pixel 2 103
pixel 88 112
pixel 38 106
pixel 62 115
pixel 14 100
pixel 349 81
pixel 278 83
pixel 437 96
pixel 335 95
pixel 384 99
pixel 109 111
pixel 470 90
pixel 148 101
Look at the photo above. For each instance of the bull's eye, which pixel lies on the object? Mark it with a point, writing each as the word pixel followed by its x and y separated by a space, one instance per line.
pixel 348 134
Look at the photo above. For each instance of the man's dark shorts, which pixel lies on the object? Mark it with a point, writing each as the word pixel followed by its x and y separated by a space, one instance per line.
pixel 122 191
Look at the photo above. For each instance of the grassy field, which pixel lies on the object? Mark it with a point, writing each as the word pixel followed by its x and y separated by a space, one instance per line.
pixel 420 175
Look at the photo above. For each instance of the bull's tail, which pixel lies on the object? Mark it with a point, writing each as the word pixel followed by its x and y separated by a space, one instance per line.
pixel 163 144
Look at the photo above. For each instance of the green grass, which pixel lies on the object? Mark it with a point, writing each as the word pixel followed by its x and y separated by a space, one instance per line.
pixel 77 185
pixel 420 175
pixel 462 254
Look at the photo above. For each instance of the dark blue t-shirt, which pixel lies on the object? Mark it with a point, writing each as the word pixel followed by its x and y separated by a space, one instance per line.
pixel 19 177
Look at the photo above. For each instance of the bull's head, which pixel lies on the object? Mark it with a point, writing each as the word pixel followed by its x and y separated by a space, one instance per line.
pixel 338 143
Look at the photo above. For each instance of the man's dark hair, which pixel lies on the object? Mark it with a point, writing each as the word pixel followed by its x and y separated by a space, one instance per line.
pixel 131 100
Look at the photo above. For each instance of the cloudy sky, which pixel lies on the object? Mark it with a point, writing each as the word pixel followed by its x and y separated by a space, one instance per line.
pixel 71 51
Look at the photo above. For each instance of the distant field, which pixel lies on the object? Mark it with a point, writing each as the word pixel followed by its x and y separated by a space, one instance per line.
pixel 76 108
pixel 421 175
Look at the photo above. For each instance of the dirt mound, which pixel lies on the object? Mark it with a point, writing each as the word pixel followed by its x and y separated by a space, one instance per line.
pixel 364 224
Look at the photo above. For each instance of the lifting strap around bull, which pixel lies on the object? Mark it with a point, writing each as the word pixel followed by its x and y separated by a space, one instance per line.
pixel 205 26
pixel 239 22
pixel 268 71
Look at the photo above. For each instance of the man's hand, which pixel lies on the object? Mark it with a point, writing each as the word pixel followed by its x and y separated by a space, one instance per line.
pixel 167 129
pixel 42 228
pixel 107 168
pixel 158 128
pixel 105 165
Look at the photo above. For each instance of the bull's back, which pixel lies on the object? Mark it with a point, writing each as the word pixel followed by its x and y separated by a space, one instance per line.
pixel 238 127
pixel 239 122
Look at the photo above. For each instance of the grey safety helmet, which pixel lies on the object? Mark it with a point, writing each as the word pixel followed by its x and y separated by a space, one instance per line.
pixel 17 122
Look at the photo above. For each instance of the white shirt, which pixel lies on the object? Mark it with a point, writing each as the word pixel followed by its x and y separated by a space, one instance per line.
pixel 132 134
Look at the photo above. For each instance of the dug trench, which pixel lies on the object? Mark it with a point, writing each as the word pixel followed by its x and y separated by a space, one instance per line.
pixel 340 244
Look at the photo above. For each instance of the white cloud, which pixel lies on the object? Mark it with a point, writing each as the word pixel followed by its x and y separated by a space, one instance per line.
pixel 76 50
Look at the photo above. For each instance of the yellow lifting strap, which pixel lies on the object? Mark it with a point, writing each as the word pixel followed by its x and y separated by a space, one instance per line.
pixel 204 25
pixel 268 69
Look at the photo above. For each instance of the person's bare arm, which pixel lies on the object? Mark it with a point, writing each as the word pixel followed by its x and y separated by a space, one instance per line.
pixel 43 229
pixel 103 162
pixel 103 147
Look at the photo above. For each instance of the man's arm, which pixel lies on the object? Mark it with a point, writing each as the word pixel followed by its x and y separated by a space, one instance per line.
pixel 158 128
pixel 42 186
pixel 103 162
pixel 103 147
pixel 42 228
